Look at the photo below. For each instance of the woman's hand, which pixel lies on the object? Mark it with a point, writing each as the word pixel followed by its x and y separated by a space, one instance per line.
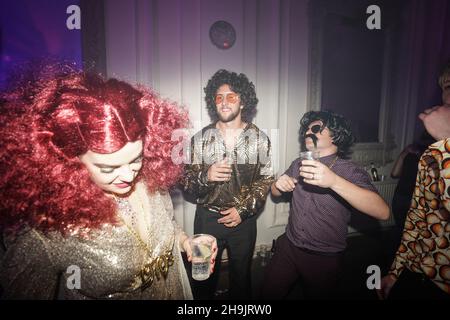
pixel 187 247
pixel 316 173
pixel 212 261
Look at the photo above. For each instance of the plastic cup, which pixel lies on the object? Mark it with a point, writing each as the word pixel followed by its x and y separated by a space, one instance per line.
pixel 201 245
pixel 310 155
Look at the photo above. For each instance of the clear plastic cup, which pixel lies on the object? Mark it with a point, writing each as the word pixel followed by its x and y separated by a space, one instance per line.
pixel 310 155
pixel 201 245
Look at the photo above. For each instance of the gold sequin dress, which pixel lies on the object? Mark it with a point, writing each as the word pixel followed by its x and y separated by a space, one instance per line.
pixel 112 263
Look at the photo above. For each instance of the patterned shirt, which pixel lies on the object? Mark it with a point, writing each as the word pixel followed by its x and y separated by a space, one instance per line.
pixel 251 177
pixel 319 218
pixel 426 236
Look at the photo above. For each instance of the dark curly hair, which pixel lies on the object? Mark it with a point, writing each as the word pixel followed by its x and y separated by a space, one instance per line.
pixel 339 127
pixel 240 84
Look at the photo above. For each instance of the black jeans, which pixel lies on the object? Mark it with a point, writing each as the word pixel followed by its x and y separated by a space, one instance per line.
pixel 239 242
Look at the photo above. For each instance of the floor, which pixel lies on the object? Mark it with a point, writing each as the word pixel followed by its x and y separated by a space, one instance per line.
pixel 363 250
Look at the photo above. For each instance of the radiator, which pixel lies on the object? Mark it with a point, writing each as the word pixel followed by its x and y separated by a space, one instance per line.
pixel 362 222
pixel 386 190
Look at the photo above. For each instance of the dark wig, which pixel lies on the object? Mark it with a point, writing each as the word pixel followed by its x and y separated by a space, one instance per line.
pixel 238 83
pixel 339 127
pixel 43 183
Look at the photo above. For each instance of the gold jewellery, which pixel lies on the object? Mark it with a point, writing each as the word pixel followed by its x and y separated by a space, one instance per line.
pixel 153 268
pixel 333 162
pixel 329 166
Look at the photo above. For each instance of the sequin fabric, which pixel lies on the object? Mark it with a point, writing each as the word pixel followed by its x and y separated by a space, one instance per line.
pixel 251 177
pixel 38 266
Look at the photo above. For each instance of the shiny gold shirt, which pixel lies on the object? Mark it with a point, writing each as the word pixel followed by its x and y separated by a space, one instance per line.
pixel 251 164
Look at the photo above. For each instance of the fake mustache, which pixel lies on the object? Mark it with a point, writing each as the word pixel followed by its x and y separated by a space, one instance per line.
pixel 313 138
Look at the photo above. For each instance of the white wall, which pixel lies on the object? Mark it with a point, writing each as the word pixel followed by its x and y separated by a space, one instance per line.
pixel 165 44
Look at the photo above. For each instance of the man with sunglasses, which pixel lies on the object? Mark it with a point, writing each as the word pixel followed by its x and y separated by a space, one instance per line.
pixel 229 174
pixel 324 192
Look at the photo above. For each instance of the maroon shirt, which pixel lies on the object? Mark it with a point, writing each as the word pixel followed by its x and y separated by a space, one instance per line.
pixel 318 218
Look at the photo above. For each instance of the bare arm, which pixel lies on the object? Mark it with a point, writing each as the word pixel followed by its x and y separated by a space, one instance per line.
pixel 361 199
pixel 398 165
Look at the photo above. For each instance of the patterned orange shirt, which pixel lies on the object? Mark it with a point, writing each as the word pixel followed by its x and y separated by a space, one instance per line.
pixel 426 236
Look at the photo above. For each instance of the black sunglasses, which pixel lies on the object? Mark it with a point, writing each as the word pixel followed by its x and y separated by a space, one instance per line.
pixel 316 128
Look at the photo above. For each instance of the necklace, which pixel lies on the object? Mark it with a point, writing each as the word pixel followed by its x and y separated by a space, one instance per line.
pixel 153 267
pixel 333 162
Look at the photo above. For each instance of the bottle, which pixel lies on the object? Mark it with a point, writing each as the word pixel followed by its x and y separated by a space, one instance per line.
pixel 263 254
pixel 374 172
pixel 272 250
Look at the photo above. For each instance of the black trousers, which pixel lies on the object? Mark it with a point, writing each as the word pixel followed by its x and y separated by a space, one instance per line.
pixel 239 242
pixel 319 273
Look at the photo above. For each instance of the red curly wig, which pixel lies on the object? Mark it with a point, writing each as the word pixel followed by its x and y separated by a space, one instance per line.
pixel 43 183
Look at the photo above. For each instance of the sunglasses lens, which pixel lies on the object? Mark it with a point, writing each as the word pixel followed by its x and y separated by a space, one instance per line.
pixel 219 99
pixel 232 98
pixel 315 128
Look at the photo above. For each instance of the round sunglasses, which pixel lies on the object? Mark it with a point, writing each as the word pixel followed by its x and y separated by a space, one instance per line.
pixel 315 128
pixel 229 97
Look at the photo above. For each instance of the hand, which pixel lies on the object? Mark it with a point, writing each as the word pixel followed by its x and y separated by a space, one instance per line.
pixel 231 218
pixel 387 282
pixel 188 249
pixel 212 261
pixel 318 174
pixel 220 171
pixel 285 183
pixel 436 121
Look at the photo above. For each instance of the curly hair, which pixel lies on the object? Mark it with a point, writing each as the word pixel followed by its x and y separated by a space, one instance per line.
pixel 43 183
pixel 340 129
pixel 238 83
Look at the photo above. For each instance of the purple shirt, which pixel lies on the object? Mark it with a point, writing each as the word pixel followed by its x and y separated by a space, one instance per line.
pixel 318 217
